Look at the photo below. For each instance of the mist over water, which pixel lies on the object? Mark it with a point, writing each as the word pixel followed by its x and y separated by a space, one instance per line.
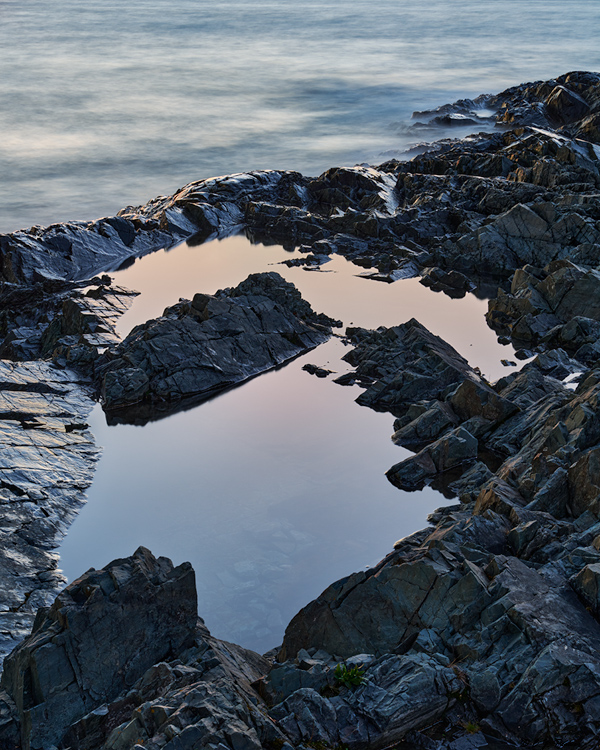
pixel 105 105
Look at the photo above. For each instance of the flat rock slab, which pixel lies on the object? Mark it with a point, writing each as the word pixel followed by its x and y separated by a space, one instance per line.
pixel 200 347
pixel 46 463
pixel 68 321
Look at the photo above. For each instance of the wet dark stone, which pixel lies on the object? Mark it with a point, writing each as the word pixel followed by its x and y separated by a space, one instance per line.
pixel 216 341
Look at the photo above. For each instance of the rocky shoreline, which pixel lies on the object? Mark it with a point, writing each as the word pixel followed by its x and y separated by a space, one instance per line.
pixel 480 630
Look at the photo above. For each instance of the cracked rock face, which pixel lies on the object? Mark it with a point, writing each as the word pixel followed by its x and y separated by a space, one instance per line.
pixel 121 658
pixel 506 582
pixel 67 321
pixel 96 640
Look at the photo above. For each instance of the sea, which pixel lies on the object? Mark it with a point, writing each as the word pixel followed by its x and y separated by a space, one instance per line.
pixel 276 488
pixel 109 104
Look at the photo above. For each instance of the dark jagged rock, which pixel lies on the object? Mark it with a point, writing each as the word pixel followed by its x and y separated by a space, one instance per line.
pixel 517 632
pixel 561 102
pixel 319 372
pixel 507 582
pixel 454 449
pixel 452 283
pixel 212 343
pixel 110 663
pixel 97 639
pixel 474 206
pixel 558 305
pixel 100 639
pixel 67 320
pixel 443 406
pixel 48 455
pixel 404 364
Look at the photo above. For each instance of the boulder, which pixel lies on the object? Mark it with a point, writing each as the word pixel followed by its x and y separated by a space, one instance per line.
pixel 427 426
pixel 572 291
pixel 473 399
pixel 587 584
pixel 402 693
pixel 450 451
pixel 589 128
pixel 584 483
pixel 97 639
pixel 564 106
pixel 523 235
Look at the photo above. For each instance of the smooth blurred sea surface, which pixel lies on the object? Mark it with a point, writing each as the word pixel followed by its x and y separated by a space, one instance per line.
pixel 109 104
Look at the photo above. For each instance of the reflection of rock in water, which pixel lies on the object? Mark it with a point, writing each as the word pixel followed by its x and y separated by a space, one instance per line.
pixel 199 348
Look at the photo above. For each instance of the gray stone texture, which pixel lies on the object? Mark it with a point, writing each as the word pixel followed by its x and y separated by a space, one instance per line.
pixel 213 342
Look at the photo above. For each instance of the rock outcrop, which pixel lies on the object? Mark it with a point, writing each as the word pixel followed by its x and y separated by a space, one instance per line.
pixel 54 332
pixel 112 643
pixel 403 364
pixel 68 321
pixel 483 205
pixel 200 347
pixel 556 307
pixel 504 587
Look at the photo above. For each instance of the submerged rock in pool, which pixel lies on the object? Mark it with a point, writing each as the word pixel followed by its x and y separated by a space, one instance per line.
pixel 211 343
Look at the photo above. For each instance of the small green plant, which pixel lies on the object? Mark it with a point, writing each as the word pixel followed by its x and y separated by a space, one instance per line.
pixel 471 727
pixel 349 676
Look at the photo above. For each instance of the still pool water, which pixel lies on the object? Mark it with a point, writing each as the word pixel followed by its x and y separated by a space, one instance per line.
pixel 276 488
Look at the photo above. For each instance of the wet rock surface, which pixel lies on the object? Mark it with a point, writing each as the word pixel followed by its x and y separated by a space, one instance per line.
pixel 487 204
pixel 53 333
pixel 480 629
pixel 47 462
pixel 200 347
pixel 110 663
pixel 86 677
pixel 402 364
pixel 67 321
pixel 505 584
